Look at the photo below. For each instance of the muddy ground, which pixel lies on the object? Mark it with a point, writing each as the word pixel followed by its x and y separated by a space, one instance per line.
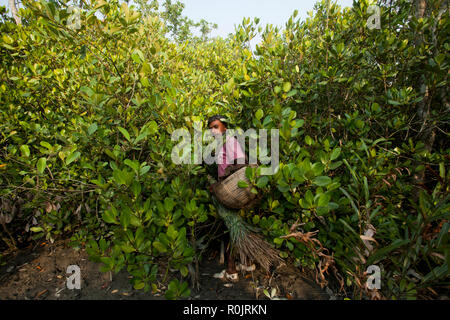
pixel 39 273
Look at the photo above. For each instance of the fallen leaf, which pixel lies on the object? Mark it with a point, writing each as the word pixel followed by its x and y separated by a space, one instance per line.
pixel 432 291
pixel 41 293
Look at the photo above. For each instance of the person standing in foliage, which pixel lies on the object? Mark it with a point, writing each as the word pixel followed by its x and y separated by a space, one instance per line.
pixel 243 238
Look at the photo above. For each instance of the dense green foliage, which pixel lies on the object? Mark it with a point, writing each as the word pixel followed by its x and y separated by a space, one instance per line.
pixel 86 119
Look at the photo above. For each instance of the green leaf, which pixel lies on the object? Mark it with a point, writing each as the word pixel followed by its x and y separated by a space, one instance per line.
pixel 88 91
pixel 153 127
pixel 92 128
pixel 322 181
pixel 439 58
pixel 335 165
pixel 278 241
pixel 324 198
pixel 436 273
pixel 119 177
pixel 317 168
pixel 137 56
pixel 46 144
pixel 351 200
pixel 135 221
pixel 169 204
pixel 125 133
pixel 139 285
pixel 172 233
pixel 109 216
pixel 375 107
pixel 25 150
pixel 381 253
pixel 144 170
pixel 141 136
pixel 333 205
pixel 393 102
pixel 127 248
pixel 133 164
pixel 348 226
pixel 159 246
pixel 292 93
pixel 136 188
pixel 322 210
pixel 262 181
pixel 249 172
pixel 103 245
pixel 335 154
pixel 259 114
pixel 72 157
pixel 8 39
pixel 41 164
pixel 441 170
pixel 309 197
pixel 184 271
pixel 242 184
pixel 125 217
pixel 366 189
pixel 287 86
pixel 147 68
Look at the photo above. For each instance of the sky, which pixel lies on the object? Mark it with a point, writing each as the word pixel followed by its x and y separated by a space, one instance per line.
pixel 228 13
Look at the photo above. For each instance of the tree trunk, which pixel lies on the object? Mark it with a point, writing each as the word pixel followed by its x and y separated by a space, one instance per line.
pixel 426 132
pixel 15 14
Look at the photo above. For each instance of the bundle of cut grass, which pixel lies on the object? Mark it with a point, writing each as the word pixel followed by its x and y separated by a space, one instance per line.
pixel 244 239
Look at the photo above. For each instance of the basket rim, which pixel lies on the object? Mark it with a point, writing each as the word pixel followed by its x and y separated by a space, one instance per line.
pixel 240 169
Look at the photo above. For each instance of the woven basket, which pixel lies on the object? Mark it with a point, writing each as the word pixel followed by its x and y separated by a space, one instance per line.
pixel 230 195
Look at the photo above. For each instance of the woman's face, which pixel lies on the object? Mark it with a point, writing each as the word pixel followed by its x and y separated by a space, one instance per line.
pixel 217 127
